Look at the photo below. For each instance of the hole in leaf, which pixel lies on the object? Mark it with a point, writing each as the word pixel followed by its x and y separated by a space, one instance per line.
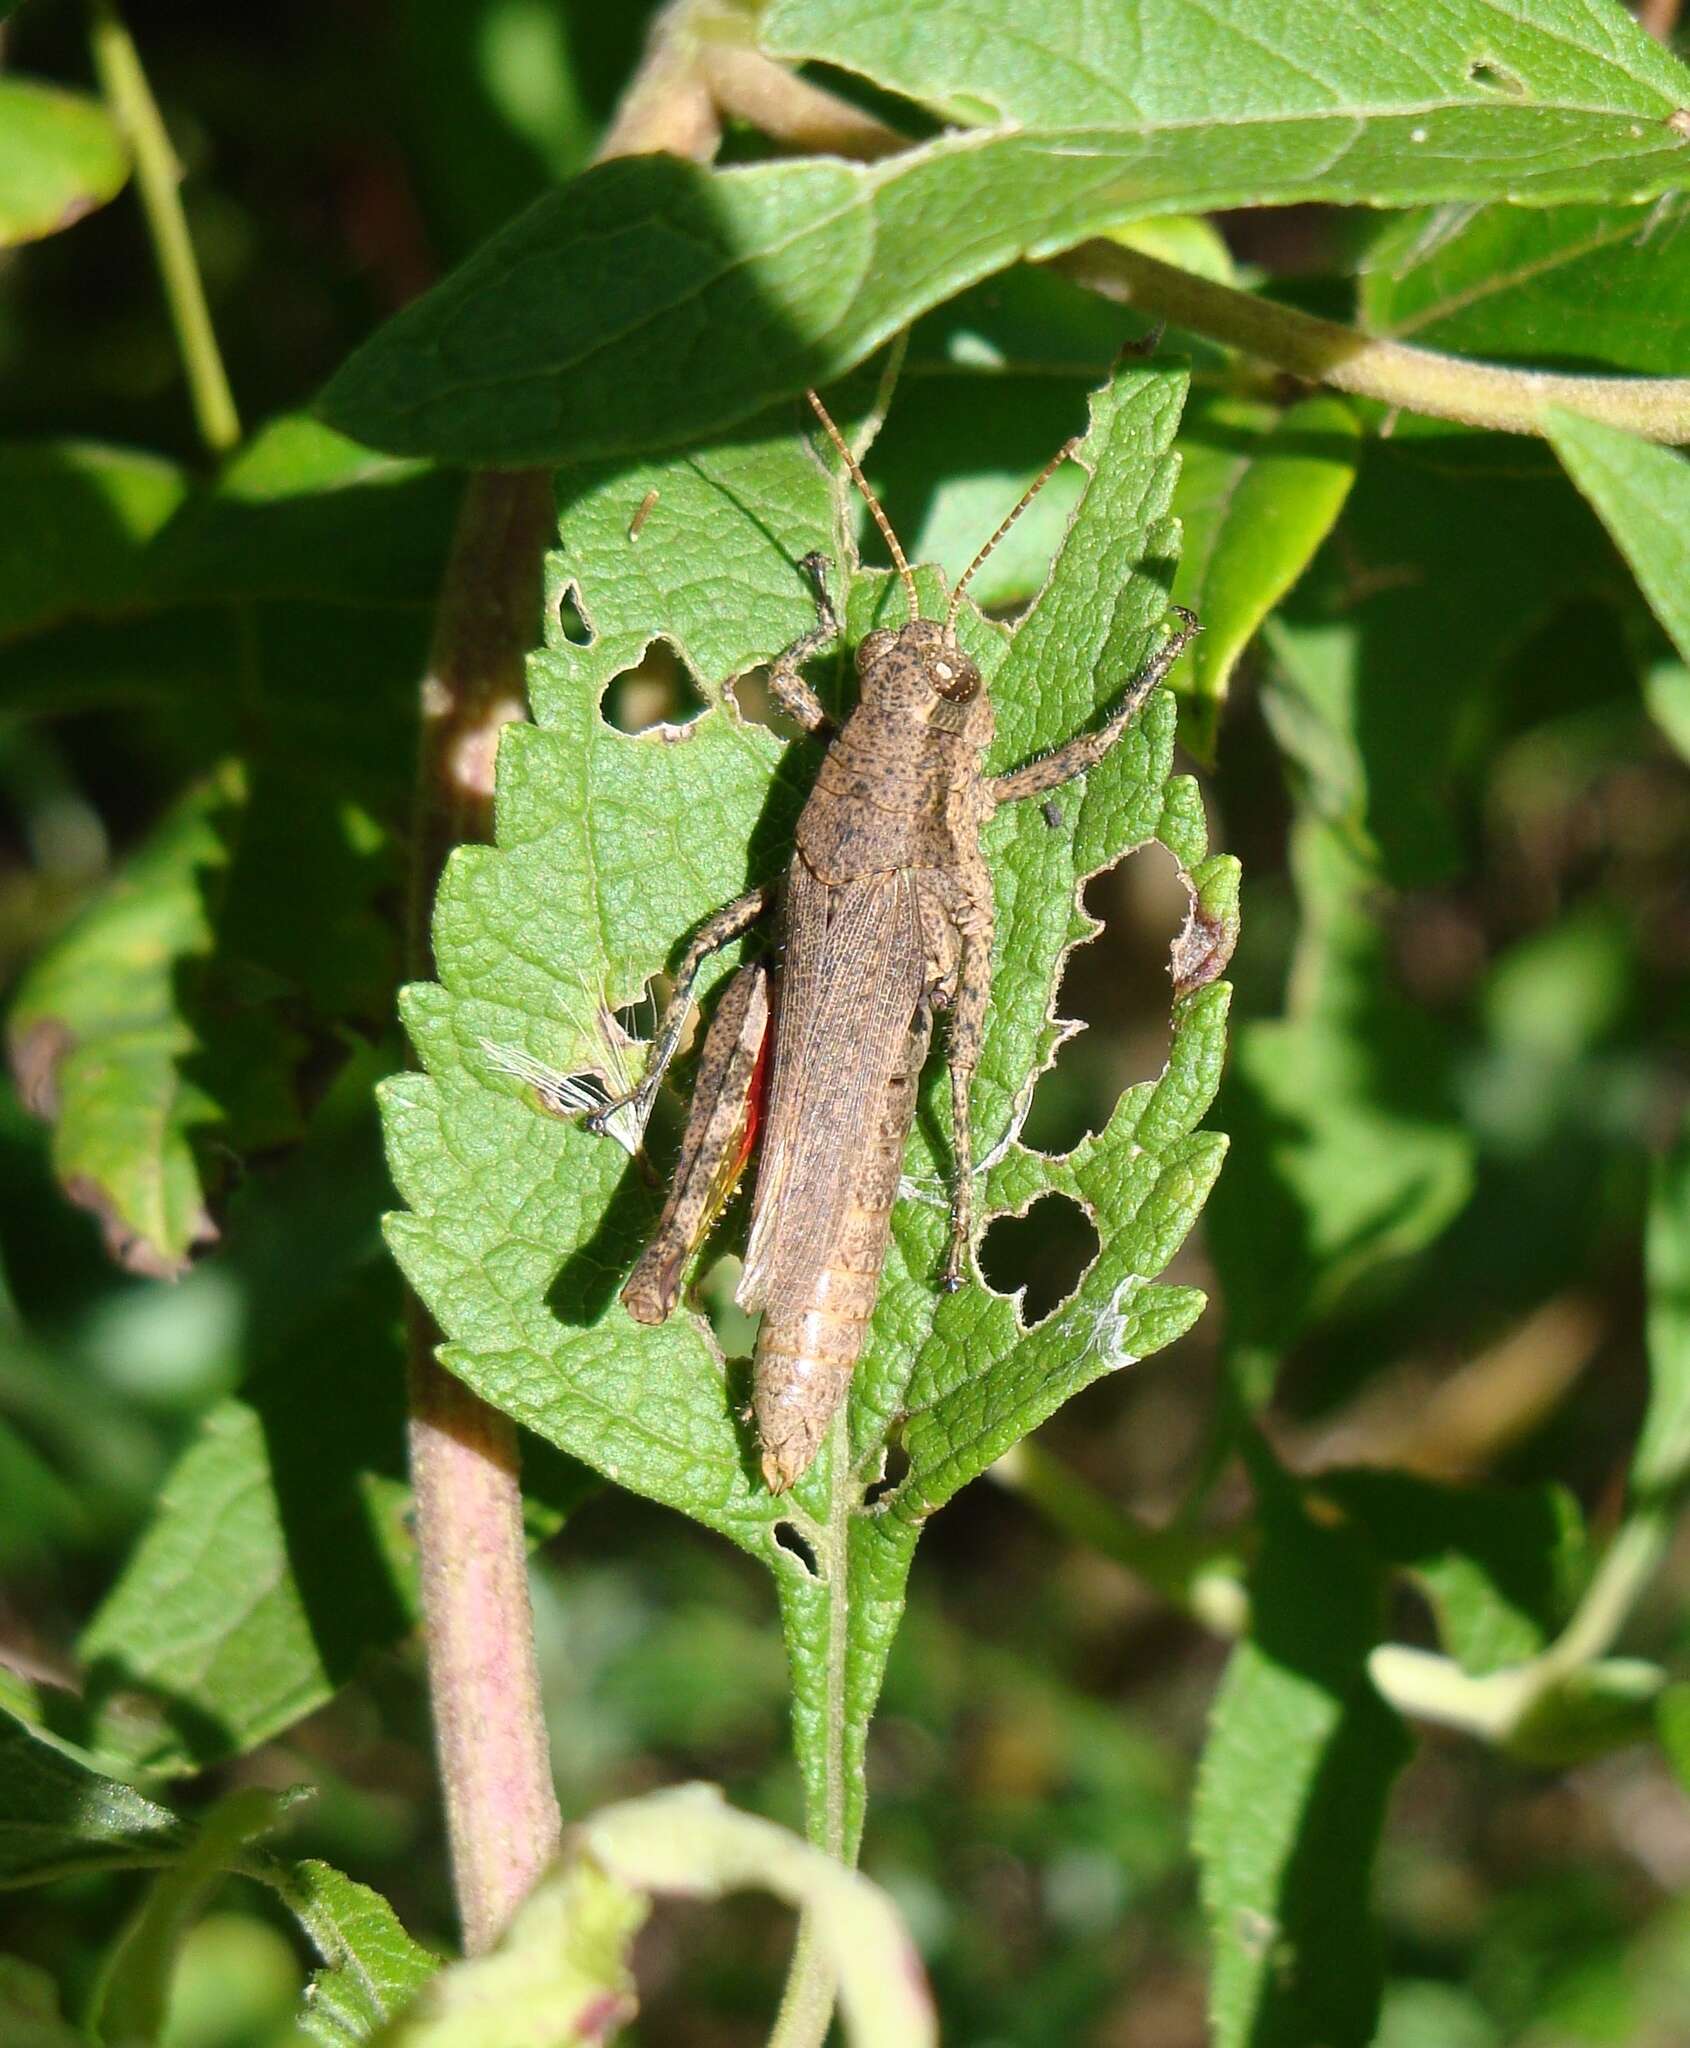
pixel 756 702
pixel 892 1475
pixel 1116 986
pixel 1045 1252
pixel 789 1538
pixel 1493 78
pixel 735 1328
pixel 570 621
pixel 660 691
pixel 638 1019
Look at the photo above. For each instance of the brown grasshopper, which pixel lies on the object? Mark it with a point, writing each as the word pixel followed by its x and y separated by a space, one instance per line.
pixel 884 917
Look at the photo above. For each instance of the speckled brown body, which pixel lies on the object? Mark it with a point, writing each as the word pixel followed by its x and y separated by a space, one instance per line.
pixel 885 917
pixel 886 893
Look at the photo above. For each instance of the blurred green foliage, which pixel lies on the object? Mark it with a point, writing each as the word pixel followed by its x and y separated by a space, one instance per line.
pixel 1455 761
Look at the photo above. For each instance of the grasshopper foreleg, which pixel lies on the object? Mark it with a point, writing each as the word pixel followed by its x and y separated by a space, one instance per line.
pixel 716 932
pixel 786 683
pixel 1090 747
pixel 721 1127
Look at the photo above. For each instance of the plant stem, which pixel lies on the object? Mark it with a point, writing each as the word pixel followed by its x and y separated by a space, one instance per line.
pixel 806 2007
pixel 158 178
pixel 1496 1704
pixel 807 2004
pixel 1394 372
pixel 1615 1587
pixel 502 1816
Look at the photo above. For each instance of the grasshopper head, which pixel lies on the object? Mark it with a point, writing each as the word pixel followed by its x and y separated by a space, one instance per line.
pixel 915 666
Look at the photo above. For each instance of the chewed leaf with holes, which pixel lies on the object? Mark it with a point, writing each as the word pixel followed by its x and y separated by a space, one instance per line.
pixel 613 847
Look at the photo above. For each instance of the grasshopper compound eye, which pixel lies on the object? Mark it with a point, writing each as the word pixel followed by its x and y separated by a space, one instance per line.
pixel 954 677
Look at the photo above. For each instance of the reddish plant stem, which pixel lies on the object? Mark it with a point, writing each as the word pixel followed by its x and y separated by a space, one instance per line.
pixel 502 1814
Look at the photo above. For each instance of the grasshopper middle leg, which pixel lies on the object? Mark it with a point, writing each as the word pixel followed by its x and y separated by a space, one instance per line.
pixel 715 932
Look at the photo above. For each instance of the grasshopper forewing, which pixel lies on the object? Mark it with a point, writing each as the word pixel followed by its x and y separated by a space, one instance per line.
pixel 883 919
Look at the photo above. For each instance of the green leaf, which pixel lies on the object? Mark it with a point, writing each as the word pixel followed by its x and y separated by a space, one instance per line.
pixel 79 517
pixel 946 485
pixel 1641 493
pixel 224 1019
pixel 1593 1709
pixel 133 1996
pixel 1662 1459
pixel 301 512
pixel 1530 65
pixel 209 1616
pixel 58 1816
pixel 372 1969
pixel 1591 287
pixel 98 1037
pixel 277 1555
pixel 60 157
pixel 1500 1565
pixel 1259 491
pixel 1350 1151
pixel 29 2005
pixel 576 332
pixel 298 514
pixel 1454 550
pixel 1300 1759
pixel 611 848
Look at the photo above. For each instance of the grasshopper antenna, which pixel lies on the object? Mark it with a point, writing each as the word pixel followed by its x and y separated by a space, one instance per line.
pixel 1027 496
pixel 873 504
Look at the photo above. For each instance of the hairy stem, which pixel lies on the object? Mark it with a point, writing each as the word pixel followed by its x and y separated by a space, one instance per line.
pixel 158 178
pixel 1419 380
pixel 502 1816
pixel 807 2004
